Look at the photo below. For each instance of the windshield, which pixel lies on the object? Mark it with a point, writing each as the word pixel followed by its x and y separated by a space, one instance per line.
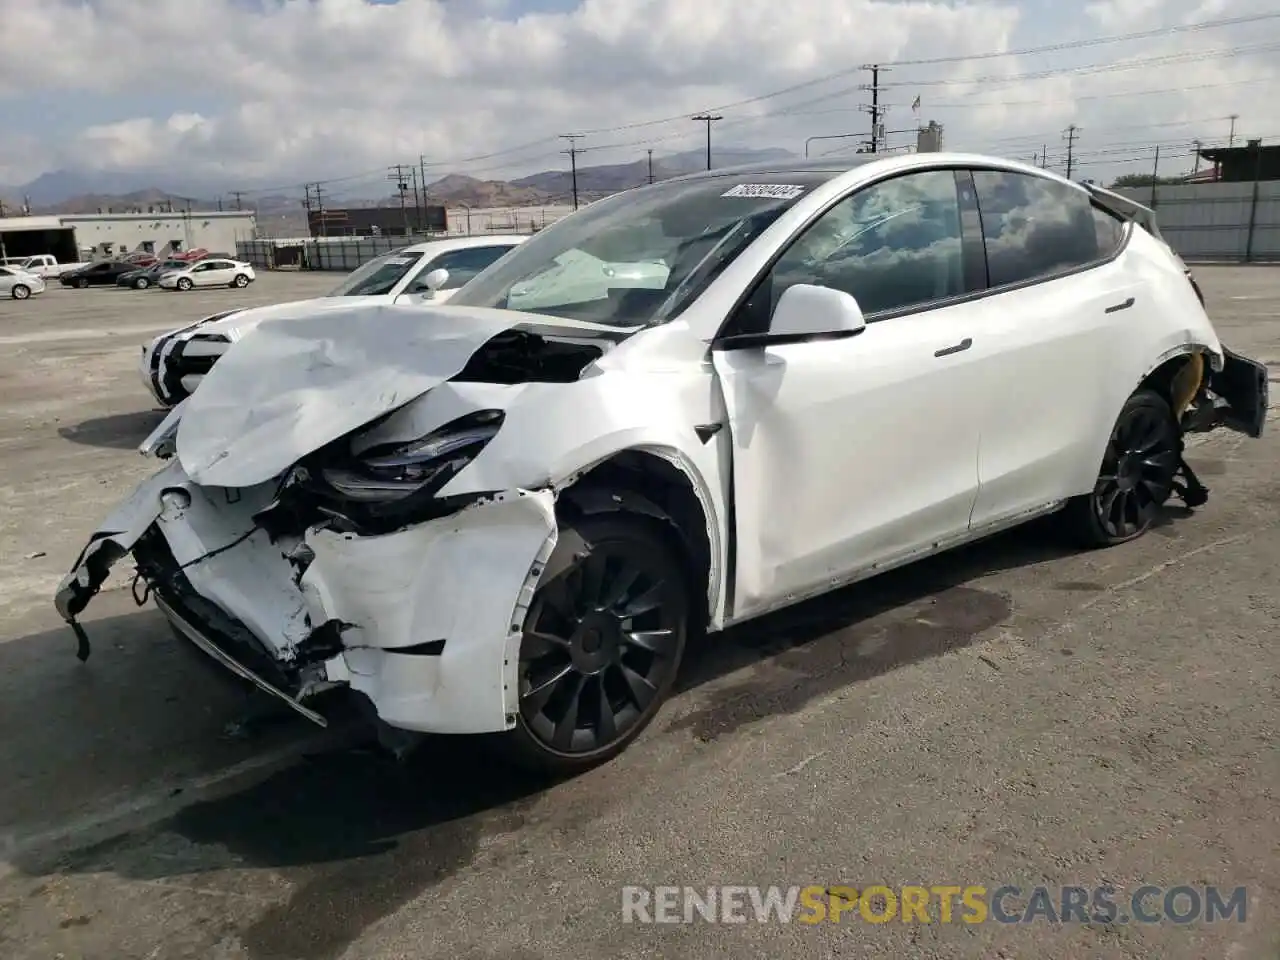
pixel 638 257
pixel 377 277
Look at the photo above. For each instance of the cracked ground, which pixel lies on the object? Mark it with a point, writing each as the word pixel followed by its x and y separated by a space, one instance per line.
pixel 1012 713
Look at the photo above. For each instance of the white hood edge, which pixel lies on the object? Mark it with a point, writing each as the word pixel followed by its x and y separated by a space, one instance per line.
pixel 293 387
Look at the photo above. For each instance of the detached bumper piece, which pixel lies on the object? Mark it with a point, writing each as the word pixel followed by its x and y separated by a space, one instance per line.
pixel 1233 398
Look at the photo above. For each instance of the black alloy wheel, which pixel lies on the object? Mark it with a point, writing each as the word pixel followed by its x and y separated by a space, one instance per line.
pixel 603 641
pixel 82 283
pixel 1139 466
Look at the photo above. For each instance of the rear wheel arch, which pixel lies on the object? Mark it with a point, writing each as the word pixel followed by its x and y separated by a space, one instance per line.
pixel 1177 376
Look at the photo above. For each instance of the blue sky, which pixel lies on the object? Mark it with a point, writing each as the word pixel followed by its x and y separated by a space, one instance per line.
pixel 275 93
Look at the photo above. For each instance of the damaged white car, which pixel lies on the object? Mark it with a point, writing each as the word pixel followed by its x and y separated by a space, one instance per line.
pixel 512 522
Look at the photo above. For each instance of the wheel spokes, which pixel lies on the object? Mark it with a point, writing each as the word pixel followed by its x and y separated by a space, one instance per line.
pixel 642 691
pixel 660 643
pixel 539 696
pixel 651 599
pixel 567 725
pixel 606 722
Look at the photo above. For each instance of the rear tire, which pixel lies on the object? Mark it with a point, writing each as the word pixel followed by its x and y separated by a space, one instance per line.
pixel 1136 477
pixel 20 291
pixel 240 281
pixel 602 645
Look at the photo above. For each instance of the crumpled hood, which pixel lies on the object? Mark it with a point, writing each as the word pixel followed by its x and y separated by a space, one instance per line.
pixel 242 321
pixel 293 387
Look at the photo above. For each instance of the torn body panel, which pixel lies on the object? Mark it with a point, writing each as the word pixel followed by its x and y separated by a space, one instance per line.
pixel 425 621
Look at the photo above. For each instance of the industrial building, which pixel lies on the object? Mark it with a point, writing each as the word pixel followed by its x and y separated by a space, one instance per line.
pixel 87 236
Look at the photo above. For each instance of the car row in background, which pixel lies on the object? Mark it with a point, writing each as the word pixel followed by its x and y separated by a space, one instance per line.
pixel 18 284
pixel 169 274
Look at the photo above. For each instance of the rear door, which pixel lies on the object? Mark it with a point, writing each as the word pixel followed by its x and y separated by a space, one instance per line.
pixel 1057 290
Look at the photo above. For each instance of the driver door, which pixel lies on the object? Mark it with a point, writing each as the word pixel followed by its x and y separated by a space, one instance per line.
pixel 854 454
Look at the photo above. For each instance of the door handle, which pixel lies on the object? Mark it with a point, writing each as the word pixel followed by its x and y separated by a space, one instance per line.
pixel 1117 307
pixel 960 347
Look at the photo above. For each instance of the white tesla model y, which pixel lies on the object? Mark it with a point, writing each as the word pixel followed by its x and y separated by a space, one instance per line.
pixel 487 519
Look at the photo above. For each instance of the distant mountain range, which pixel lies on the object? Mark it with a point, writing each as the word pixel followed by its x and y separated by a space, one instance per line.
pixel 67 191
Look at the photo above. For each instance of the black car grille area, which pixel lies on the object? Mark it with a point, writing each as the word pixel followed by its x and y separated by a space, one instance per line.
pixel 157 566
pixel 178 365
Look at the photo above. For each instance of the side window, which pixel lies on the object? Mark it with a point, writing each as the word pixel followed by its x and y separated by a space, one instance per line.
pixel 1110 231
pixel 893 245
pixel 461 264
pixel 1033 227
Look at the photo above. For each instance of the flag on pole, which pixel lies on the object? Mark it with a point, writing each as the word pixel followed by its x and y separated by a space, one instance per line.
pixel 915 105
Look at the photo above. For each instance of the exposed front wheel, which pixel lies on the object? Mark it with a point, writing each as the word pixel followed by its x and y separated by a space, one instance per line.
pixel 603 641
pixel 1137 475
pixel 20 291
pixel 184 283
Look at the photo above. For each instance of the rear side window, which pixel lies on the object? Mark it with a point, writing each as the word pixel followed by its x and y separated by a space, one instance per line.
pixel 1034 227
pixel 1110 231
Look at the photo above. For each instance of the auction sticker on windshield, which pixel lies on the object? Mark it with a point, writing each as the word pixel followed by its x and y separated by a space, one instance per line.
pixel 766 191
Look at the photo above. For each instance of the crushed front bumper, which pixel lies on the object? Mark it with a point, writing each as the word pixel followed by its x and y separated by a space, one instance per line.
pixel 426 621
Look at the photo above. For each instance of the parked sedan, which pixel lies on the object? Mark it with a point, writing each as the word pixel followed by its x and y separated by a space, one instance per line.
pixel 209 273
pixel 145 277
pixel 173 364
pixel 19 284
pixel 493 521
pixel 102 273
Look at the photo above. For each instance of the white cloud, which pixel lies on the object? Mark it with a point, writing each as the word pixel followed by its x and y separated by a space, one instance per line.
pixel 303 89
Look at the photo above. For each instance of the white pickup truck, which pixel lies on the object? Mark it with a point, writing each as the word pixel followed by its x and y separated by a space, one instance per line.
pixel 43 265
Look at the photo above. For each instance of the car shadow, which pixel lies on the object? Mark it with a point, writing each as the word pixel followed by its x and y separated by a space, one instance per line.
pixel 351 826
pixel 120 431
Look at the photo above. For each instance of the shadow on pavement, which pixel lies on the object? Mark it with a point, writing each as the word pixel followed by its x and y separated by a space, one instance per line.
pixel 121 431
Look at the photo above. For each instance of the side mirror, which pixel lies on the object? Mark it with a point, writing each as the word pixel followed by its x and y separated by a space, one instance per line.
pixel 434 280
pixel 806 312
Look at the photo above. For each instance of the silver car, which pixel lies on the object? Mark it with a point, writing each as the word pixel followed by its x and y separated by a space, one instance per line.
pixel 19 284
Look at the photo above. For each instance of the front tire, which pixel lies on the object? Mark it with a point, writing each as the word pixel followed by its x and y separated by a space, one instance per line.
pixel 20 291
pixel 183 283
pixel 141 283
pixel 82 283
pixel 603 641
pixel 1136 478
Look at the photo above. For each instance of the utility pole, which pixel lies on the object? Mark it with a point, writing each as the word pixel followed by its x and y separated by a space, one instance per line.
pixel 1195 149
pixel 1070 135
pixel 422 170
pixel 573 152
pixel 1231 138
pixel 650 165
pixel 219 204
pixel 396 176
pixel 877 112
pixel 708 119
pixel 417 204
pixel 319 199
pixel 238 195
pixel 1155 176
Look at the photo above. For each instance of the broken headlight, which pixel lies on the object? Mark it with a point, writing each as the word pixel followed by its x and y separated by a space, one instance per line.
pixel 421 466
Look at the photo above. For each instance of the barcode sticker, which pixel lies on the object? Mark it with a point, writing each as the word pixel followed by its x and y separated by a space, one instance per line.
pixel 765 191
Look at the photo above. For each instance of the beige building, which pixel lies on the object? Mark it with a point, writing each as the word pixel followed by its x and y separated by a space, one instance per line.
pixel 86 236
